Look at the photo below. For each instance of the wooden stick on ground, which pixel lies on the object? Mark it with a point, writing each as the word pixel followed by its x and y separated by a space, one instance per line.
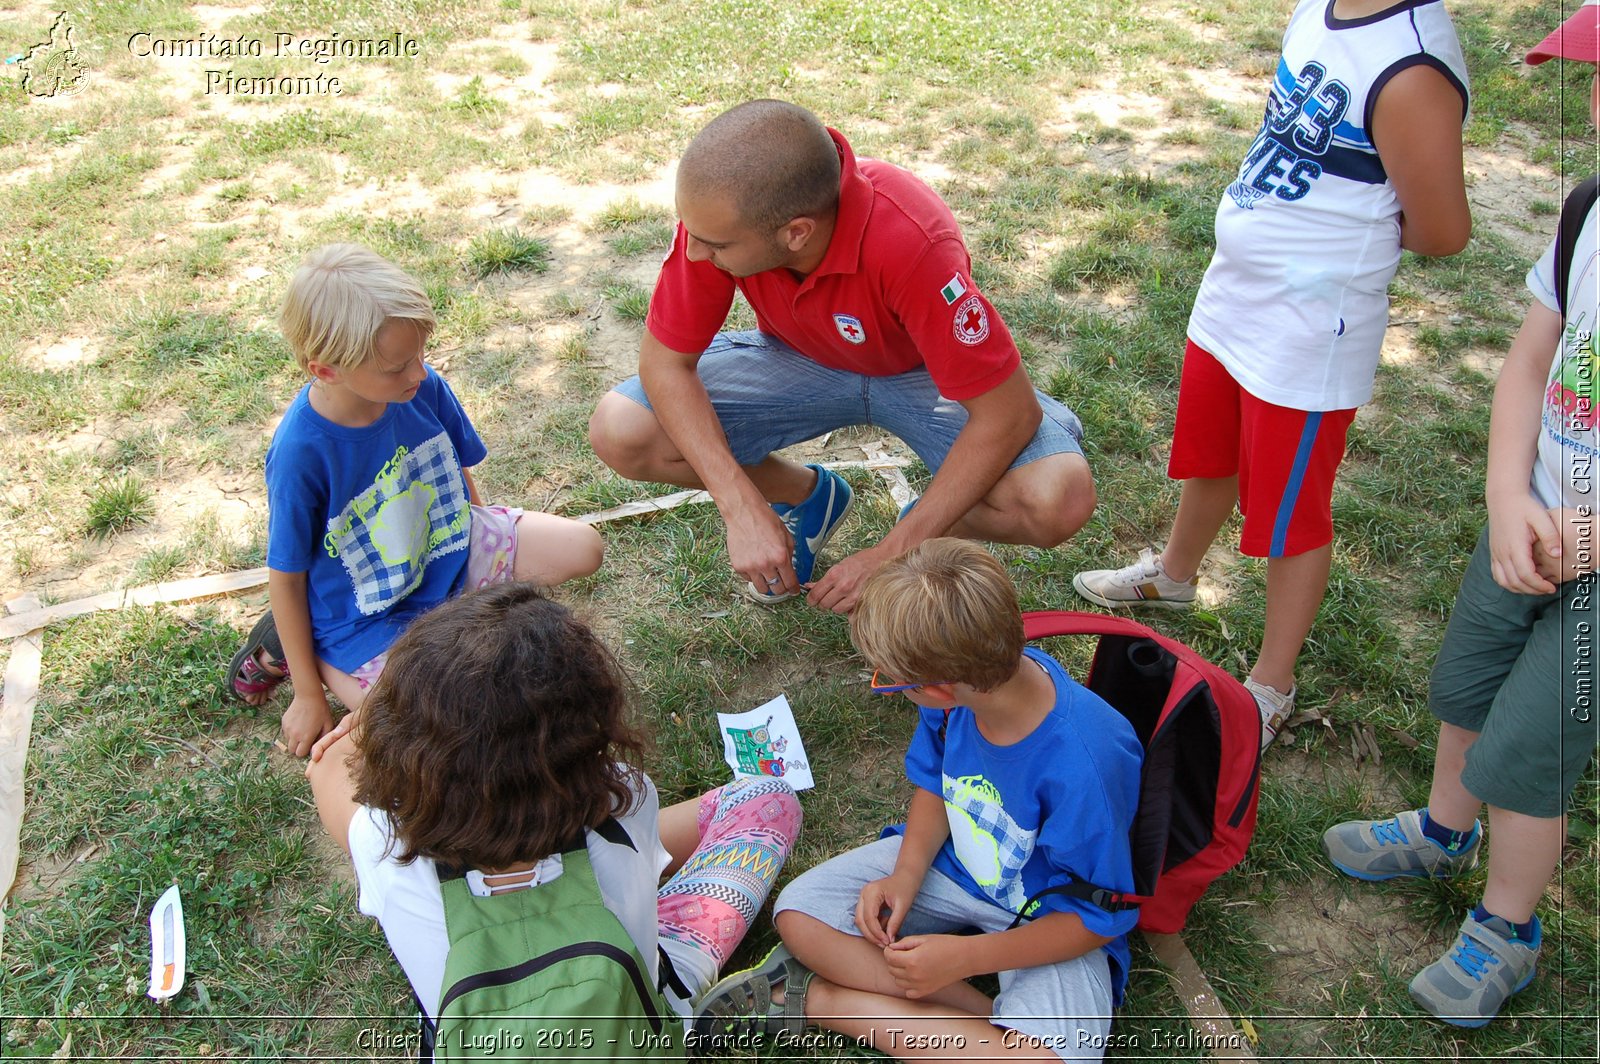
pixel 1211 1021
pixel 20 694
pixel 149 595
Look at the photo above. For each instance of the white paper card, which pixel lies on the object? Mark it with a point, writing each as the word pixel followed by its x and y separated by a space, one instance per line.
pixel 766 742
pixel 167 953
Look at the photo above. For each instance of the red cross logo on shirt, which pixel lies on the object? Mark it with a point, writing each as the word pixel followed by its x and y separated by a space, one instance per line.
pixel 971 321
pixel 850 328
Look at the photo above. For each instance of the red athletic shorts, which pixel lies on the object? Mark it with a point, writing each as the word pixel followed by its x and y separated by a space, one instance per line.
pixel 1285 459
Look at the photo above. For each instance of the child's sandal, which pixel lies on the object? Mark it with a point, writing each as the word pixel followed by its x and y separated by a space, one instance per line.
pixel 740 1007
pixel 246 676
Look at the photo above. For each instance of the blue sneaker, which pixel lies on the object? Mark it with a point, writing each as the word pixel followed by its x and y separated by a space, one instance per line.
pixel 1488 963
pixel 811 523
pixel 907 508
pixel 1386 849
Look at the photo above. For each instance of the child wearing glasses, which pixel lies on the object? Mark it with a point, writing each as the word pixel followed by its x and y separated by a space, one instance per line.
pixel 1025 781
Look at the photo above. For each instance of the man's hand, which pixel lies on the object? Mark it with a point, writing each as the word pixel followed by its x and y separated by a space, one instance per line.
pixel 1516 527
pixel 883 905
pixel 760 548
pixel 924 964
pixel 840 587
pixel 306 720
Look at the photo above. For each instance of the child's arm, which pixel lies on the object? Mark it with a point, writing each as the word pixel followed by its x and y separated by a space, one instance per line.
pixel 1416 127
pixel 308 716
pixel 923 964
pixel 926 830
pixel 472 488
pixel 1516 519
pixel 334 789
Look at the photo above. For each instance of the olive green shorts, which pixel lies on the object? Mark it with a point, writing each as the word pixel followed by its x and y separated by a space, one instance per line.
pixel 1520 670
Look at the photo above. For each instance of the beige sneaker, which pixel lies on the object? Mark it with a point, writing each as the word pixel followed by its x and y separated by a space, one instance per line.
pixel 1275 706
pixel 1144 583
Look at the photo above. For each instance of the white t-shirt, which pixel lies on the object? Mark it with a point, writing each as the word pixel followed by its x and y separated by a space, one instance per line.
pixel 405 899
pixel 1296 299
pixel 1564 470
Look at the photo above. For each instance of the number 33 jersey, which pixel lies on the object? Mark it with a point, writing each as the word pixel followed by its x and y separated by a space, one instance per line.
pixel 1296 299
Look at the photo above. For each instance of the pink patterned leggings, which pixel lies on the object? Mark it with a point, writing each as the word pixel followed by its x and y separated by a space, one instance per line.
pixel 747 829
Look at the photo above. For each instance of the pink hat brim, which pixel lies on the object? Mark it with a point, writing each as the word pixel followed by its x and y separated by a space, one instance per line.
pixel 1578 38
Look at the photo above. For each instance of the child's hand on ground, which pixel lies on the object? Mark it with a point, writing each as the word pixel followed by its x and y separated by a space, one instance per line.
pixel 1518 530
pixel 894 893
pixel 923 964
pixel 305 721
pixel 340 730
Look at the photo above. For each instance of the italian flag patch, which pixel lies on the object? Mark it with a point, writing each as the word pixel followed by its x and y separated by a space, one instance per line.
pixel 953 290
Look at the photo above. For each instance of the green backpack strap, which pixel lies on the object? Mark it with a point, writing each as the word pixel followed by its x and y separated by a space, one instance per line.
pixel 525 963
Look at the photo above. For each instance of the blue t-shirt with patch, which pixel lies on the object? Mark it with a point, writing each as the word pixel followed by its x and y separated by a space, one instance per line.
pixel 378 517
pixel 1038 812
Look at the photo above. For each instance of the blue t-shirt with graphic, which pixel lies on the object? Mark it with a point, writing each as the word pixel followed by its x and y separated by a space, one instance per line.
pixel 1038 812
pixel 378 517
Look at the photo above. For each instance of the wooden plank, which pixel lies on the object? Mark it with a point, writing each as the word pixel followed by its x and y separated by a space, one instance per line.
pixel 17 699
pixel 1206 1011
pixel 148 595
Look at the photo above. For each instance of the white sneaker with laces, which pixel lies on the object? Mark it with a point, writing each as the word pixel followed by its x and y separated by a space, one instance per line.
pixel 1144 583
pixel 1276 707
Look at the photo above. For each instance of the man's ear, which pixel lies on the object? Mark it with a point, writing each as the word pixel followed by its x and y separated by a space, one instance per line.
pixel 796 233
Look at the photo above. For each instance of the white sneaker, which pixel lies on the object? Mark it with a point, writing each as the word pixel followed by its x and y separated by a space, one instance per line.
pixel 1275 706
pixel 1144 583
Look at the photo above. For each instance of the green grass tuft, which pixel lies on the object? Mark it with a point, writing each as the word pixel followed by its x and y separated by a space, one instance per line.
pixel 505 250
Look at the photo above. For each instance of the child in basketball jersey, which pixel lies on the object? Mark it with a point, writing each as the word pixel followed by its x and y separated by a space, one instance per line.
pixel 1358 157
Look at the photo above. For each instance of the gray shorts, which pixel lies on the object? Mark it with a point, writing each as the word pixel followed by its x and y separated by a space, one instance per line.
pixel 1066 1006
pixel 767 397
pixel 1520 671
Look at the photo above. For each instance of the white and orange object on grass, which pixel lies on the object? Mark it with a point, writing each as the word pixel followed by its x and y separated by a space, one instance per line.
pixel 167 947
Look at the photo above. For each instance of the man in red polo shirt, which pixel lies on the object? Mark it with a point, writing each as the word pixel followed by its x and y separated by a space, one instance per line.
pixel 867 314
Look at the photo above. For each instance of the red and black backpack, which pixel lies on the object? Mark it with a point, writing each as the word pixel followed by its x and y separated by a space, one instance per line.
pixel 1201 733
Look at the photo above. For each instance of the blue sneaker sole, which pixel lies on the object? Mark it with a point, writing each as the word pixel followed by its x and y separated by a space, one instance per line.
pixel 1472 1023
pixel 1368 877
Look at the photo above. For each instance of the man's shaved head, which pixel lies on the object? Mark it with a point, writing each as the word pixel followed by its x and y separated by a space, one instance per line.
pixel 774 160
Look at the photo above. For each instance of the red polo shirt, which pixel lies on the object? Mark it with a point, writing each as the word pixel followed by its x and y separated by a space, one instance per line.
pixel 893 292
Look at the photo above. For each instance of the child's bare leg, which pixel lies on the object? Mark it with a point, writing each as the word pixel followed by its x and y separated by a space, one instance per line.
pixel 552 550
pixel 1450 804
pixel 1522 858
pixel 348 690
pixel 900 1028
pixel 1203 507
pixel 1295 587
pixel 679 828
pixel 851 961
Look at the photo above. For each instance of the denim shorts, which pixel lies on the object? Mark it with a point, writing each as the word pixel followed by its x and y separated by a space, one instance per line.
pixel 1066 1005
pixel 768 396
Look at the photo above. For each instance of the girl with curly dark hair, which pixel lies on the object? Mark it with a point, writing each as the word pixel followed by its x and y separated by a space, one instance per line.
pixel 497 732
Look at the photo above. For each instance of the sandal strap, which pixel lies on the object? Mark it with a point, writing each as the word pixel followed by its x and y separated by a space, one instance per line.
pixel 796 982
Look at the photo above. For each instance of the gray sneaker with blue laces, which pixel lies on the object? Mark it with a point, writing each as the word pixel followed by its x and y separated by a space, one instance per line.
pixel 1386 849
pixel 1468 985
